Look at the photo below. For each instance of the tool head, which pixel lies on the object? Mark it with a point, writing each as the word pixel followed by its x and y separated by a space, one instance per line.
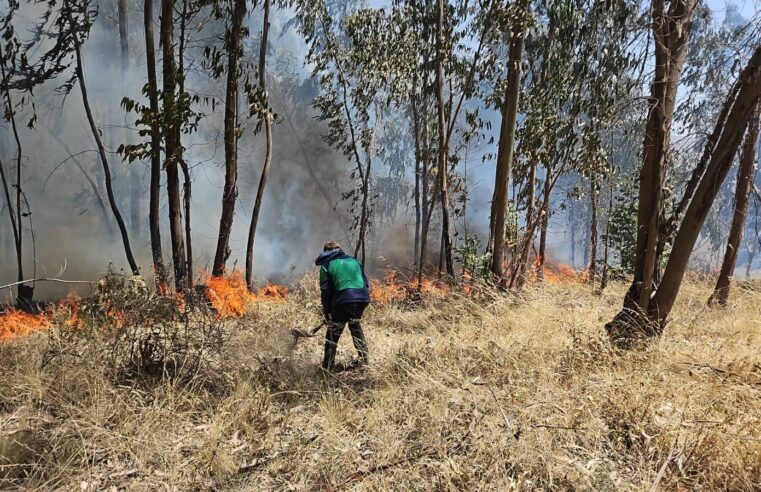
pixel 302 333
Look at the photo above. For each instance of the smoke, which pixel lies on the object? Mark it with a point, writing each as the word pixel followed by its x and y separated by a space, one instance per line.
pixel 59 159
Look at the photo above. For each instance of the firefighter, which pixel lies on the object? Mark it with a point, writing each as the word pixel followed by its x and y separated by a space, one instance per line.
pixel 345 293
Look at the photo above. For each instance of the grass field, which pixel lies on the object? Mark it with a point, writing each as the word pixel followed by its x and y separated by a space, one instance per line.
pixel 499 393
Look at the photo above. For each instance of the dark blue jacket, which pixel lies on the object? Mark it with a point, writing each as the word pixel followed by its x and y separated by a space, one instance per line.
pixel 342 280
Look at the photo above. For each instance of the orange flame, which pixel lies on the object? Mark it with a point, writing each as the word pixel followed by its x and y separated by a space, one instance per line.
pixel 273 293
pixel 558 273
pixel 390 289
pixel 230 297
pixel 70 307
pixel 15 323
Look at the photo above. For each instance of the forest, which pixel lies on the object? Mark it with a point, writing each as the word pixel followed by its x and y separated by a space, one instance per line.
pixel 549 208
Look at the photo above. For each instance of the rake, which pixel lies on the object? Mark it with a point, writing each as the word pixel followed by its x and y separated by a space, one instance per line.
pixel 302 333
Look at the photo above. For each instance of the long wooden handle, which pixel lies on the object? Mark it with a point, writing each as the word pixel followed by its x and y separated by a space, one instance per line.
pixel 316 328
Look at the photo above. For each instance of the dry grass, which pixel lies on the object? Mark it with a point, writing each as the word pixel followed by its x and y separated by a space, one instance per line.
pixel 509 393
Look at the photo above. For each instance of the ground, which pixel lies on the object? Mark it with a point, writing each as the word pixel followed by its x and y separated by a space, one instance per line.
pixel 498 393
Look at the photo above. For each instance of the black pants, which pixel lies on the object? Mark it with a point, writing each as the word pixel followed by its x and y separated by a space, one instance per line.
pixel 339 316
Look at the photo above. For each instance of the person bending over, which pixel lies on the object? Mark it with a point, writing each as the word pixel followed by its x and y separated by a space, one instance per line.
pixel 345 293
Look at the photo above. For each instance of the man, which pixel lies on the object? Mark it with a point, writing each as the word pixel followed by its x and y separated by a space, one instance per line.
pixel 345 294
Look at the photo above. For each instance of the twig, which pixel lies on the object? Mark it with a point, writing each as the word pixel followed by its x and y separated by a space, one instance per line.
pixel 562 427
pixel 501 410
pixel 664 467
pixel 49 279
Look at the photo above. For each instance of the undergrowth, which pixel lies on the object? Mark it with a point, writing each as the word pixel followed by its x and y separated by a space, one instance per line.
pixel 493 393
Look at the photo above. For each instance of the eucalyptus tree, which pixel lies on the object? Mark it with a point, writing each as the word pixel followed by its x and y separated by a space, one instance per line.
pixel 234 12
pixel 642 319
pixel 260 105
pixel 578 59
pixel 710 69
pixel 649 300
pixel 78 18
pixel 745 174
pixel 9 50
pixel 509 114
pixel 351 100
pixel 25 64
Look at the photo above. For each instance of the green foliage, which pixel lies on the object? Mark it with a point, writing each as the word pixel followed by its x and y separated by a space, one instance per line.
pixel 623 224
pixel 474 264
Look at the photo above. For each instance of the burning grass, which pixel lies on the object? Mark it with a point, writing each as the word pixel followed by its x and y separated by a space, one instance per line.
pixel 230 297
pixel 498 393
pixel 393 288
pixel 14 323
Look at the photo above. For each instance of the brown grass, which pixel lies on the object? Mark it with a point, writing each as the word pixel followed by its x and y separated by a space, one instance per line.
pixel 499 394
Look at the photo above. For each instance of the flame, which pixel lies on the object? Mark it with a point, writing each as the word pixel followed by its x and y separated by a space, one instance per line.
pixel 68 308
pixel 560 273
pixel 272 292
pixel 230 297
pixel 390 289
pixel 15 323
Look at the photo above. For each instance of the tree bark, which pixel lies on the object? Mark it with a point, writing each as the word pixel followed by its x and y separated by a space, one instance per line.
pixel 742 195
pixel 268 149
pixel 443 150
pixel 739 108
pixel 592 266
pixel 520 277
pixel 155 146
pixel 506 144
pixel 172 145
pixel 671 32
pixel 606 253
pixel 103 159
pixel 545 224
pixel 187 184
pixel 364 215
pixel 230 193
pixel 186 201
pixel 418 216
pixel 721 160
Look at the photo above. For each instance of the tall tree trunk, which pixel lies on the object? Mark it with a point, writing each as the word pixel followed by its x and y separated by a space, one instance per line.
pixel 418 216
pixel 739 108
pixel 186 181
pixel 364 215
pixel 103 159
pixel 519 278
pixel 507 142
pixel 572 224
pixel 742 195
pixel 606 252
pixel 172 144
pixel 268 150
pixel 155 145
pixel 545 224
pixel 14 215
pixel 186 200
pixel 443 150
pixel 592 266
pixel 671 32
pixel 230 193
